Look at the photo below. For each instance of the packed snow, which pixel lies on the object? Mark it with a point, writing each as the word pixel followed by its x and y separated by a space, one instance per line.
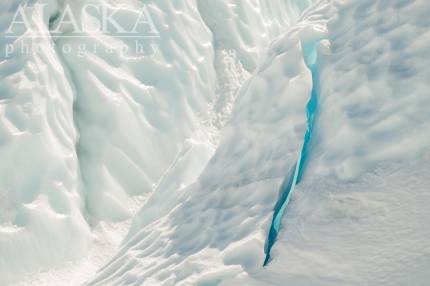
pixel 258 142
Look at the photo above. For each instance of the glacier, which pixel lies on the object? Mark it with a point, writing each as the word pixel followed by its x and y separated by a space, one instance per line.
pixel 260 142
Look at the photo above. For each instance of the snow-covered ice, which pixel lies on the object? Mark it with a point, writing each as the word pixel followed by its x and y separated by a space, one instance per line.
pixel 290 133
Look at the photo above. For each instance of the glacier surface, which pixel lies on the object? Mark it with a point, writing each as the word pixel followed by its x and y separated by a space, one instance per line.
pixel 264 142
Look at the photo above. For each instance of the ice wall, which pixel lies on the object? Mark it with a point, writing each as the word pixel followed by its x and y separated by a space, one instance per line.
pixel 360 215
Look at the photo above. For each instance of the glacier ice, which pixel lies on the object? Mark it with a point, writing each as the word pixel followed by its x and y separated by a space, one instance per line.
pixel 189 150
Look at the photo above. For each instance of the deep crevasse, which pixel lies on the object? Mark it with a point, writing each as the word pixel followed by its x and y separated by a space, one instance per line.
pixel 310 56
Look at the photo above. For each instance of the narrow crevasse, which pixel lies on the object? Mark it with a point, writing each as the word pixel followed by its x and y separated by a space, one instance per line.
pixel 310 56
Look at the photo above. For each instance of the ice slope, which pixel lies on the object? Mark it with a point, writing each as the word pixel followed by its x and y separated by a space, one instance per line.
pixel 146 103
pixel 359 215
pixel 235 57
pixel 230 205
pixel 81 134
pixel 218 228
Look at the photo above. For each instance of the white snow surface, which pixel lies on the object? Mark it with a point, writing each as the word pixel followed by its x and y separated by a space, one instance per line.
pixel 201 136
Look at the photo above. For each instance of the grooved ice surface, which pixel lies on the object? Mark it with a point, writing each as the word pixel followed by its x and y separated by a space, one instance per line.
pixel 83 138
pixel 360 215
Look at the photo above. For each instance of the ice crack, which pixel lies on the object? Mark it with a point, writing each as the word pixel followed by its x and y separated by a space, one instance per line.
pixel 310 56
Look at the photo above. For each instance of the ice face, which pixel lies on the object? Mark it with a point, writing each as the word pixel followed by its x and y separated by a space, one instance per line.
pixel 232 106
pixel 358 215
